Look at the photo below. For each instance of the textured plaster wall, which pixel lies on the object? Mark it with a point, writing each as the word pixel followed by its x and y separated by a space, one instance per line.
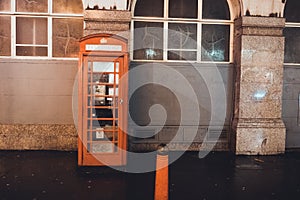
pixel 36 92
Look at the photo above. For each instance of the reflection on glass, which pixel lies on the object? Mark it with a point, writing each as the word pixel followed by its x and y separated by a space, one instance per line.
pixel 103 147
pixel 103 119
pixel 183 8
pixel 67 6
pixel 291 12
pixel 5 5
pixel 5 36
pixel 292 45
pixel 32 30
pixel 149 8
pixel 103 66
pixel 215 42
pixel 107 133
pixel 90 65
pixel 182 36
pixel 100 92
pixel 102 112
pixel 182 55
pixel 148 41
pixel 215 9
pixel 31 51
pixel 182 41
pixel 99 78
pixel 32 6
pixel 66 34
pixel 103 96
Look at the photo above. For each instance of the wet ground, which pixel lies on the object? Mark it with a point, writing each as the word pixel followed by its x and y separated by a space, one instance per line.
pixel 55 175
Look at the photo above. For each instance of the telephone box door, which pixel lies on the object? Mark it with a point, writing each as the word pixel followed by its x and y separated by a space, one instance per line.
pixel 102 135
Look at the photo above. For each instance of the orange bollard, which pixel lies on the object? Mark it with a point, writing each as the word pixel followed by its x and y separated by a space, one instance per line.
pixel 162 174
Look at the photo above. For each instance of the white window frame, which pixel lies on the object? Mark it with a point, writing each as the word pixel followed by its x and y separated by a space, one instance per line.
pixel 49 15
pixel 199 21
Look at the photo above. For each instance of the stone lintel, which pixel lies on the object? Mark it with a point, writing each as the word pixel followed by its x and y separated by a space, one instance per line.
pixel 259 123
pixel 114 22
pixel 115 26
pixel 264 26
pixel 124 34
pixel 107 16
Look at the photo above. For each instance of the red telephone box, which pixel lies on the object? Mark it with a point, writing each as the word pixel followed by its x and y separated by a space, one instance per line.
pixel 102 100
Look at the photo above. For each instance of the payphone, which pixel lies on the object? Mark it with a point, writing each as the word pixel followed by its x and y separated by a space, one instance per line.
pixel 102 100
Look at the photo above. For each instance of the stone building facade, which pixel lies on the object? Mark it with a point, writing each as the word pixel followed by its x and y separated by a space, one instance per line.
pixel 253 45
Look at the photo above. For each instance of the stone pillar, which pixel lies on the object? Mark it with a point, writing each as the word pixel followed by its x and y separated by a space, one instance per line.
pixel 259 52
pixel 107 21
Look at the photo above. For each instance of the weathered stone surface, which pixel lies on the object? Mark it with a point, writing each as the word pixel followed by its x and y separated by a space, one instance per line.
pixel 258 107
pixel 260 22
pixel 263 8
pixel 107 15
pixel 124 34
pixel 261 51
pixel 263 137
pixel 38 137
pixel 107 21
pixel 113 26
pixel 195 146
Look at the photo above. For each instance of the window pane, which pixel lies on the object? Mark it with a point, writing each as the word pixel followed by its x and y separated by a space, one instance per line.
pixel 67 6
pixel 292 45
pixel 182 55
pixel 182 36
pixel 32 6
pixel 291 12
pixel 148 40
pixel 66 35
pixel 183 8
pixel 4 5
pixel 215 42
pixel 215 9
pixel 32 51
pixel 149 8
pixel 32 30
pixel 5 37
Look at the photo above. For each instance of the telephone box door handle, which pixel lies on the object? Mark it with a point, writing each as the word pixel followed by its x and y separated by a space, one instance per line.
pixel 121 101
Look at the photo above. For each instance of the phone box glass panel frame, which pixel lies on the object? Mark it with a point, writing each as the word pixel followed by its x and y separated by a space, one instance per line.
pixel 102 100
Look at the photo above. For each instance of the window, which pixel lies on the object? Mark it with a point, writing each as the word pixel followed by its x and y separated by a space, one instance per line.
pixel 40 28
pixel 292 32
pixel 173 30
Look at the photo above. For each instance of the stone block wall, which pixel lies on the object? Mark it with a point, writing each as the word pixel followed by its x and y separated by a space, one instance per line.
pixel 259 50
pixel 107 21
